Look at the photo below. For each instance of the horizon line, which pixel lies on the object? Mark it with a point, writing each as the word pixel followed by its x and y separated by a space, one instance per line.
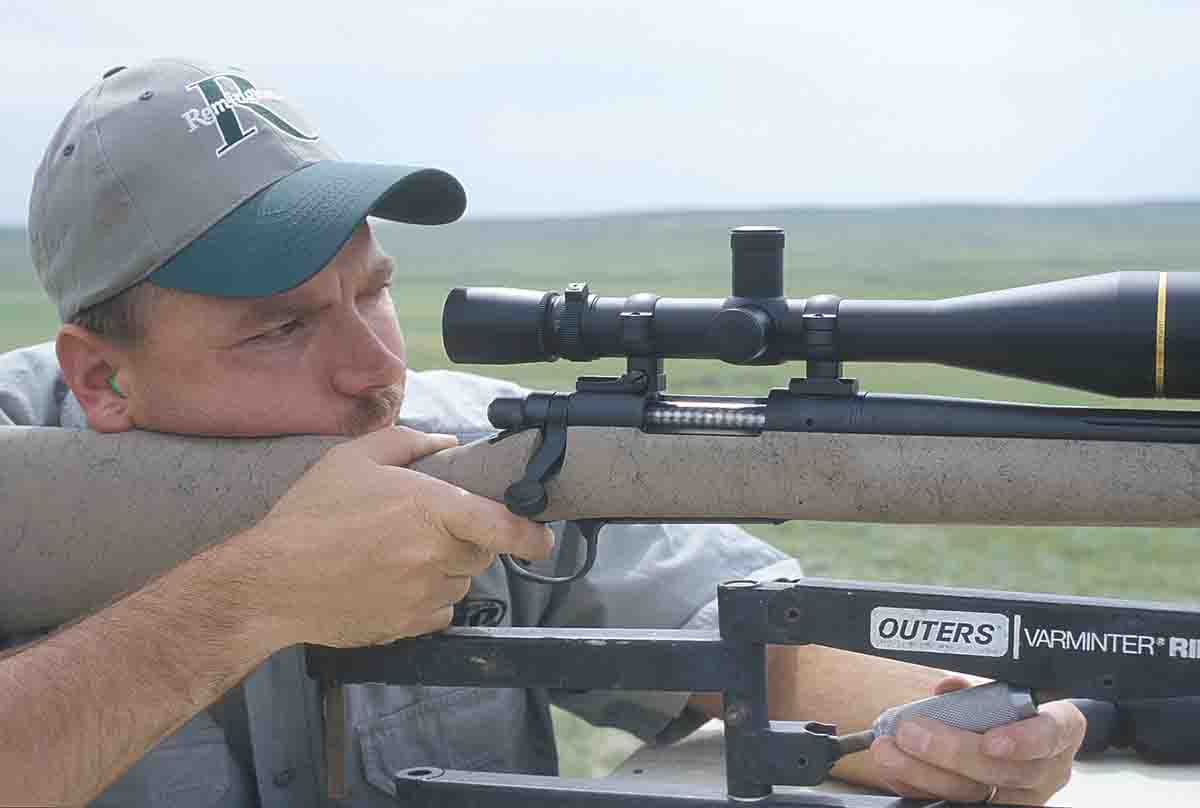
pixel 617 213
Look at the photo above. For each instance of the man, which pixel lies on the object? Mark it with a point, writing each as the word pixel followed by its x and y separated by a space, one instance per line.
pixel 215 273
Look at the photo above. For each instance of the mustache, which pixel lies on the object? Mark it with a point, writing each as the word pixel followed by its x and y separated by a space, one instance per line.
pixel 373 410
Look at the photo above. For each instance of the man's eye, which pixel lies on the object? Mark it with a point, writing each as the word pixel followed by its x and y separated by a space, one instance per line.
pixel 279 332
pixel 378 291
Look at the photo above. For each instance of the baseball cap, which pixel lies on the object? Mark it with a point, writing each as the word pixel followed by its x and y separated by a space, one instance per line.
pixel 198 177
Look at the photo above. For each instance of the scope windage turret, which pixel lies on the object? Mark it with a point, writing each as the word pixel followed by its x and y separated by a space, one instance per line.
pixel 1134 334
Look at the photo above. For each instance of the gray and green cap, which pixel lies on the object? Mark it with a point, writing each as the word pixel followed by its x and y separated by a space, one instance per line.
pixel 199 178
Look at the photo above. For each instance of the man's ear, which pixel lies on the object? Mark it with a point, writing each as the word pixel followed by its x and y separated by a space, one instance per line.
pixel 88 363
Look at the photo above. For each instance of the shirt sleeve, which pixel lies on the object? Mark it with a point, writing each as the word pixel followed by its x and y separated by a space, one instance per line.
pixel 32 389
pixel 657 576
pixel 31 394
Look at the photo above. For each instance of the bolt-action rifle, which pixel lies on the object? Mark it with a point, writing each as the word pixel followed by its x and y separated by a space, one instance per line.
pixel 817 449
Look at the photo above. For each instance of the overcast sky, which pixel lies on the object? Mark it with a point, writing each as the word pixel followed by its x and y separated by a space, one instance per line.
pixel 569 108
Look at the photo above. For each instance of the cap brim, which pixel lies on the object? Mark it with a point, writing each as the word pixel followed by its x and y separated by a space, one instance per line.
pixel 287 232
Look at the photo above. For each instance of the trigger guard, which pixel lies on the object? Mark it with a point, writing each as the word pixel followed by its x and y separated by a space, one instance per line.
pixel 590 530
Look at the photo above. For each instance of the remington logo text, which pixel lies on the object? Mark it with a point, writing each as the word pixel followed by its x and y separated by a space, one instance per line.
pixel 224 95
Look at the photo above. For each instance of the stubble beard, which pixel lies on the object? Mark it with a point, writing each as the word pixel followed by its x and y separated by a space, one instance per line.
pixel 373 410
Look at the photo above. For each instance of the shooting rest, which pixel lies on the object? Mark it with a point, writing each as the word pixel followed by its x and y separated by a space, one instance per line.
pixel 1084 647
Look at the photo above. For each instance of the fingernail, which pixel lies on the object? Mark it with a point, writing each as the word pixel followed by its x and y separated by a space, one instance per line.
pixel 913 738
pixel 998 746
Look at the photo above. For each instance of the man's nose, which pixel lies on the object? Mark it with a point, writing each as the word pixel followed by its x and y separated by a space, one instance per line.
pixel 362 361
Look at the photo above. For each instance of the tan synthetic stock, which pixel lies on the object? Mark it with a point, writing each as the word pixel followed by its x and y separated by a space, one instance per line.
pixel 85 516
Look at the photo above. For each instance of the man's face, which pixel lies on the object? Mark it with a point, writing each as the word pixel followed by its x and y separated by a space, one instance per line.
pixel 324 358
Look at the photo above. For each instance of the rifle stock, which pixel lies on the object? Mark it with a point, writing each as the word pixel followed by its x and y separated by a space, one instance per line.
pixel 85 516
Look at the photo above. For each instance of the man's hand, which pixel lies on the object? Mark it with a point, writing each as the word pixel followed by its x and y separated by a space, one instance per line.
pixel 361 550
pixel 1029 760
pixel 851 690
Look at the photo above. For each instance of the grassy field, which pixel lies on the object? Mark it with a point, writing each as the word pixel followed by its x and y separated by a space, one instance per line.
pixel 919 252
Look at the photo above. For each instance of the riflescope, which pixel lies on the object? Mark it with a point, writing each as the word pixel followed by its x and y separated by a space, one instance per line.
pixel 1132 334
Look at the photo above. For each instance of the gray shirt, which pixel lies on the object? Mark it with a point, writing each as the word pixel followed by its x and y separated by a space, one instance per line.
pixel 659 576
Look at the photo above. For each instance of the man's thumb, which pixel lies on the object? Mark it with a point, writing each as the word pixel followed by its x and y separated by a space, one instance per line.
pixel 399 445
pixel 951 683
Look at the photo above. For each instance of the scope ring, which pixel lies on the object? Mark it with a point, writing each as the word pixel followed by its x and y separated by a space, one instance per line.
pixel 590 530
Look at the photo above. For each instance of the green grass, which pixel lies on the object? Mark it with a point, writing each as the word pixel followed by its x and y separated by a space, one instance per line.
pixel 918 252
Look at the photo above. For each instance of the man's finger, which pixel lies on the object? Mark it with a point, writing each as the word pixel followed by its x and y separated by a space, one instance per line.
pixel 461 514
pixel 460 585
pixel 912 777
pixel 399 445
pixel 490 525
pixel 1057 728
pixel 957 681
pixel 960 751
pixel 440 619
pixel 468 559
